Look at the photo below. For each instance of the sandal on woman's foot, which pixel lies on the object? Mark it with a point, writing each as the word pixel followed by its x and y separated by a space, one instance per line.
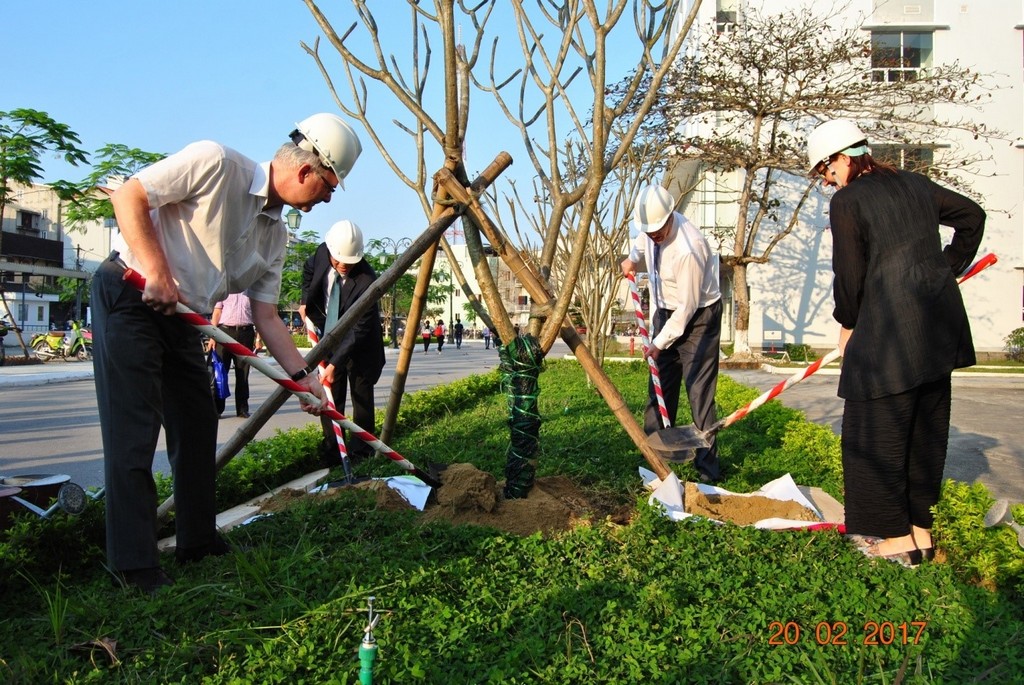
pixel 910 558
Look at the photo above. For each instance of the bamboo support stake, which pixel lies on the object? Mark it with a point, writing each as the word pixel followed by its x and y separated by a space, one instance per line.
pixel 539 293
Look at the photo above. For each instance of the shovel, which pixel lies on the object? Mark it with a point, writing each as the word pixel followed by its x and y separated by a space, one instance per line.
pixel 275 374
pixel 646 340
pixel 677 444
pixel 999 514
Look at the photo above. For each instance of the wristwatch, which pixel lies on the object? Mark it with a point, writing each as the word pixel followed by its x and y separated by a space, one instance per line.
pixel 301 373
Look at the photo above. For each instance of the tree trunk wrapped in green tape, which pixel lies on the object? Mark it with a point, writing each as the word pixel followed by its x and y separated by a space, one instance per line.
pixel 520 366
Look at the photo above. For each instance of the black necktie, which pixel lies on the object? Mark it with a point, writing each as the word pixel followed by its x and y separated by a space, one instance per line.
pixel 658 303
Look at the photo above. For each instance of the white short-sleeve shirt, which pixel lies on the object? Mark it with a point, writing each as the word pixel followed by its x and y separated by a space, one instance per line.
pixel 207 205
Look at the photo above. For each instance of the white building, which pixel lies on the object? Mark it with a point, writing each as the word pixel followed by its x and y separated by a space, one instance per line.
pixel 512 293
pixel 791 297
pixel 37 248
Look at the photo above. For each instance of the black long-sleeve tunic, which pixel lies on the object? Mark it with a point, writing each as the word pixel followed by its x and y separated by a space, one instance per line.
pixel 895 284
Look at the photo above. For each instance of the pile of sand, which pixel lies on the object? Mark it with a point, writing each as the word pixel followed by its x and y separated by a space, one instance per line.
pixel 743 510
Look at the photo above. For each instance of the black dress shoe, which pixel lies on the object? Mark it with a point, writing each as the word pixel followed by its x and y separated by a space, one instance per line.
pixel 148 580
pixel 187 555
pixel 243 414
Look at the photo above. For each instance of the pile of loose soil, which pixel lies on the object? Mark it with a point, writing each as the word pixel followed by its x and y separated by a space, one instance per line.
pixel 743 510
pixel 470 496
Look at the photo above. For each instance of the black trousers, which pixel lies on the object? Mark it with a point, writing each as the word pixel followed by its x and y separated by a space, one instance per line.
pixel 894 452
pixel 247 336
pixel 692 360
pixel 150 371
pixel 361 383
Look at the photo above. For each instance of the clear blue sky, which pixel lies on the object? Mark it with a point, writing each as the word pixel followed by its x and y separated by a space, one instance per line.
pixel 159 75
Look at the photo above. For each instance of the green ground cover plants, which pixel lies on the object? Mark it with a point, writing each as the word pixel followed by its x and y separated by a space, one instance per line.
pixel 650 601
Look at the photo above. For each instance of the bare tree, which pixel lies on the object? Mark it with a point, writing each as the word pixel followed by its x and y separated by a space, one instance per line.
pixel 561 70
pixel 596 300
pixel 740 102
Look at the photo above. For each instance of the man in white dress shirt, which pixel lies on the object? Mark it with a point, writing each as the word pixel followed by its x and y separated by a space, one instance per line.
pixel 687 320
pixel 198 225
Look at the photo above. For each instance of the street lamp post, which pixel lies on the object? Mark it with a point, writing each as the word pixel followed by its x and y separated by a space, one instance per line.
pixel 395 246
pixel 293 219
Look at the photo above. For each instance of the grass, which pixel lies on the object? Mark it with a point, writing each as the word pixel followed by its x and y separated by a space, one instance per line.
pixel 652 601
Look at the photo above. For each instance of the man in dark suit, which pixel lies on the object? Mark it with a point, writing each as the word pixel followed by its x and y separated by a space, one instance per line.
pixel 333 279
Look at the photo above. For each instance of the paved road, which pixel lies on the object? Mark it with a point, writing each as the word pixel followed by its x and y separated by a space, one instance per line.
pixel 48 421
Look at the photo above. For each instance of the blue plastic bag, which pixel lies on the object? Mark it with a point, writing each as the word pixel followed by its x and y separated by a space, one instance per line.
pixel 220 376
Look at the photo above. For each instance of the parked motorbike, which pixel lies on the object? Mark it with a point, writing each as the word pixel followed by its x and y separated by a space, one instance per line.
pixel 72 344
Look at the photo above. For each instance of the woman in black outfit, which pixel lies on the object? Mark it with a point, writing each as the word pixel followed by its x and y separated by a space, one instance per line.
pixel 903 331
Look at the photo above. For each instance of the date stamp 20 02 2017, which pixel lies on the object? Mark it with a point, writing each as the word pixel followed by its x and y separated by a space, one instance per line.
pixel 838 633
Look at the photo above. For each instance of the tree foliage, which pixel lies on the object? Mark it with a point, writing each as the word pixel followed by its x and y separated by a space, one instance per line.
pixel 294 260
pixel 25 135
pixel 116 162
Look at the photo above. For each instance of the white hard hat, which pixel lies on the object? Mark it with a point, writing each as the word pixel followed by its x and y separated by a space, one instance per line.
pixel 345 242
pixel 332 139
pixel 654 205
pixel 838 135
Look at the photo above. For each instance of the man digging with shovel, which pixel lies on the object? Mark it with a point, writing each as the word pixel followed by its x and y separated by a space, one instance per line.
pixel 687 320
pixel 198 225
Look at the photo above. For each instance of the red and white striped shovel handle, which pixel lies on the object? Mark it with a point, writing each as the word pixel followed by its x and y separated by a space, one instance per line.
pixel 645 338
pixel 275 374
pixel 339 434
pixel 979 266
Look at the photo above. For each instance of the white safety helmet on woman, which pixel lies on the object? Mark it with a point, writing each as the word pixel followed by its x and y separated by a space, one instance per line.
pixel 654 205
pixel 345 242
pixel 332 140
pixel 833 137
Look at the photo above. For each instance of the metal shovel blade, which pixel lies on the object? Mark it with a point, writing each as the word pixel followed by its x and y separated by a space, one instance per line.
pixel 678 443
pixel 1000 514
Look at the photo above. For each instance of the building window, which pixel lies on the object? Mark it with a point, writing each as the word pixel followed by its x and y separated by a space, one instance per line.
pixel 911 158
pixel 726 15
pixel 28 222
pixel 899 56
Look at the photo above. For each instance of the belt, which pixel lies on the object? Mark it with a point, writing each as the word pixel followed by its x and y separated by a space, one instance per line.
pixel 239 327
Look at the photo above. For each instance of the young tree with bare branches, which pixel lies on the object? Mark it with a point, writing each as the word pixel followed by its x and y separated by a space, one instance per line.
pixel 737 105
pixel 558 91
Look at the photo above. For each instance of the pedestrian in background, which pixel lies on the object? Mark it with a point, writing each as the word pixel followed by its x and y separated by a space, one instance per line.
pixel 199 225
pixel 687 320
pixel 439 333
pixel 425 334
pixel 459 328
pixel 233 315
pixel 487 338
pixel 903 329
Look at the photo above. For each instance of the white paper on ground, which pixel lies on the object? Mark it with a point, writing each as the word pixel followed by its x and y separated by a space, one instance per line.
pixel 669 494
pixel 411 488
